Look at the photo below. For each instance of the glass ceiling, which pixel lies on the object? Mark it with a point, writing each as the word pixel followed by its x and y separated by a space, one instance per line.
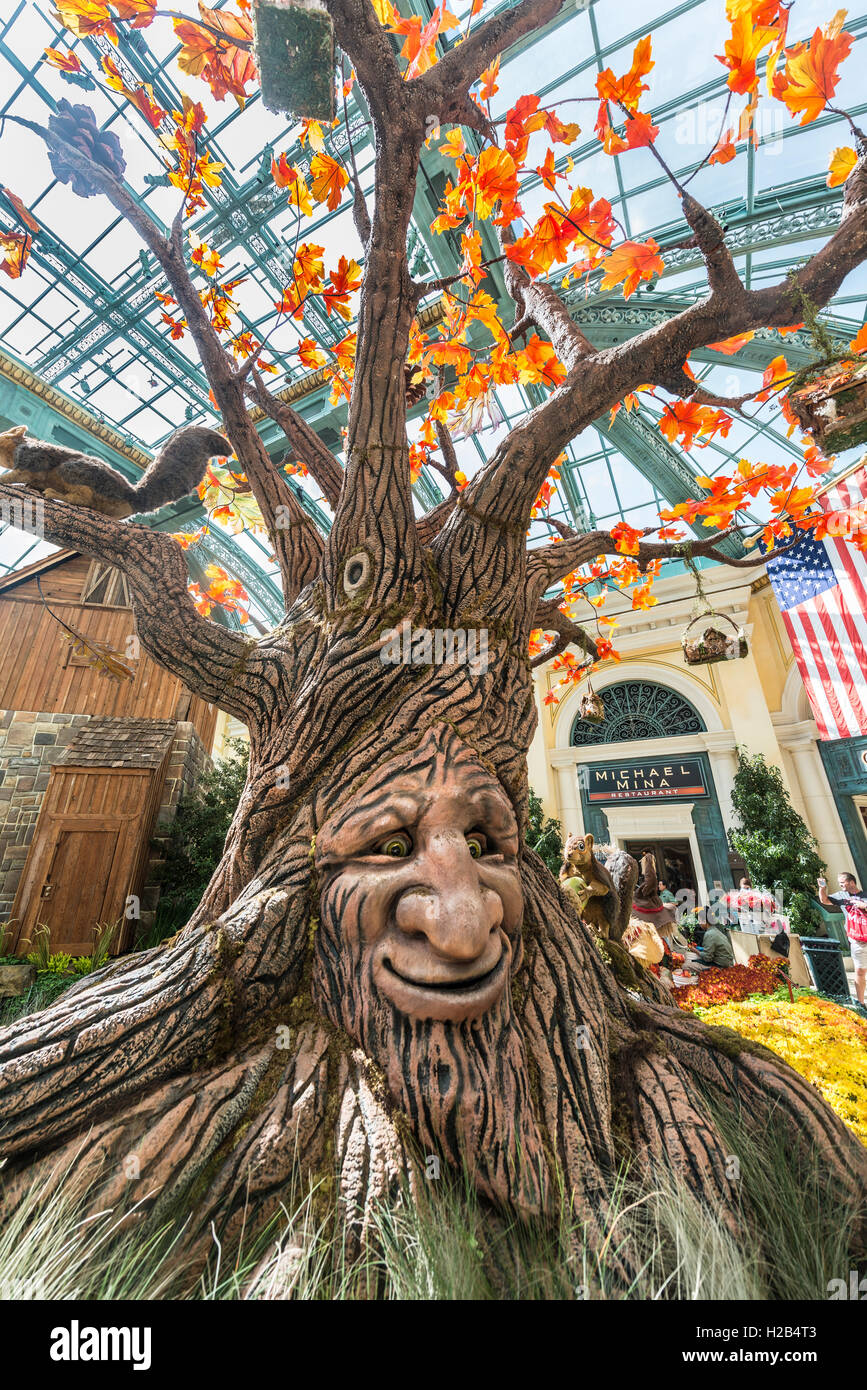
pixel 83 316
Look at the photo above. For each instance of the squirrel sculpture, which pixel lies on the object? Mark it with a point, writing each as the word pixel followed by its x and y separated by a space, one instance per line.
pixel 588 880
pixel 86 481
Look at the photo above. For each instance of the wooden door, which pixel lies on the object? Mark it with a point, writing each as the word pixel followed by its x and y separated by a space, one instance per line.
pixel 73 892
pixel 674 866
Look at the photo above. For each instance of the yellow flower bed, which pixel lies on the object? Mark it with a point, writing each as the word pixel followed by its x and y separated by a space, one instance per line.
pixel 823 1041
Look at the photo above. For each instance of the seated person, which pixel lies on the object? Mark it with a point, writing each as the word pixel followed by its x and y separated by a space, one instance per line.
pixel 715 949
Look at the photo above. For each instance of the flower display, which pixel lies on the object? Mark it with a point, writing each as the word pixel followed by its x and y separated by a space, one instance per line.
pixel 761 975
pixel 825 1042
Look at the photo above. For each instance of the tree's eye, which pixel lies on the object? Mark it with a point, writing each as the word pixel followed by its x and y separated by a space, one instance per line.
pixel 477 844
pixel 397 846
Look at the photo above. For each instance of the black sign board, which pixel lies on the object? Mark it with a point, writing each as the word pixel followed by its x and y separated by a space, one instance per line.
pixel 651 781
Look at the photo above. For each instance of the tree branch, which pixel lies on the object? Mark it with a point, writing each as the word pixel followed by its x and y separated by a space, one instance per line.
pixel 550 618
pixel 214 662
pixel 506 488
pixel 296 541
pixel 377 493
pixel 302 439
pixel 443 90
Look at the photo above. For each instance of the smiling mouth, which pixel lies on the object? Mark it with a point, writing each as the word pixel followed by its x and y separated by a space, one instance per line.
pixel 455 987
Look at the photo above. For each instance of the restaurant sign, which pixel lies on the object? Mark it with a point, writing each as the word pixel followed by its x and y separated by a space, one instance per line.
pixel 651 781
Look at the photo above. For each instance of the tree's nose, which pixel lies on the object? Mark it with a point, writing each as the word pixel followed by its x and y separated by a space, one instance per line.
pixel 448 904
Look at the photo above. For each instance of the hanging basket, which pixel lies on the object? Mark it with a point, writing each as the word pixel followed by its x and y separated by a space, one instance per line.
pixel 591 708
pixel 832 405
pixel 702 646
pixel 293 45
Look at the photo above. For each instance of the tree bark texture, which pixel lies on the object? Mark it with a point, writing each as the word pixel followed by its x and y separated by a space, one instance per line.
pixel 258 1040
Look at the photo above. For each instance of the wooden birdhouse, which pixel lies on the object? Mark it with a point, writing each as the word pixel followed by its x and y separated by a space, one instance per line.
pixel 293 44
pixel 833 406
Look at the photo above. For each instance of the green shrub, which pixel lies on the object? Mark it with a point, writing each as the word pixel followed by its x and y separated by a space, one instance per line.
pixel 544 835
pixel 196 841
pixel 780 853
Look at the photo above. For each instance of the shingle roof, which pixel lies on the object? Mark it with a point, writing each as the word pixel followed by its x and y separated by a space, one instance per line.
pixel 120 743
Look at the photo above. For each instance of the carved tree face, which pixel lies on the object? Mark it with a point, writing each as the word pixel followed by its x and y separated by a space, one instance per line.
pixel 421 880
pixel 420 926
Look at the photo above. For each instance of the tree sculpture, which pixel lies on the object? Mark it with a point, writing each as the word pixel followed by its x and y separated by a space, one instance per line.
pixel 378 963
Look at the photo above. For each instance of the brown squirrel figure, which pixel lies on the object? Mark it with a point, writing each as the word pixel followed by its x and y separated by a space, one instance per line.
pixel 589 882
pixel 86 481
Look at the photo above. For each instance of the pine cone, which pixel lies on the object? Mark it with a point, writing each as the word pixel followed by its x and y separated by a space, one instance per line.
pixel 77 127
pixel 415 390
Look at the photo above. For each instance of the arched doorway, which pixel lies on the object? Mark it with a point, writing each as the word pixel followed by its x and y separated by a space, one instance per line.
pixel 645 783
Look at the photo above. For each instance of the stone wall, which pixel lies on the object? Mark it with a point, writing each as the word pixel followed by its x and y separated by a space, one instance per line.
pixel 30 743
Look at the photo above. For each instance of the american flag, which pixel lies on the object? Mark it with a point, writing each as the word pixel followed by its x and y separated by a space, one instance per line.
pixel 821 587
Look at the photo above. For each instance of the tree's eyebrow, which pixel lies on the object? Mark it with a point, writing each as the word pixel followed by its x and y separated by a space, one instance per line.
pixel 496 808
pixel 387 811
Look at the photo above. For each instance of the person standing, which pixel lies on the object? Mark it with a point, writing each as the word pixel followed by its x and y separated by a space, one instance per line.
pixel 854 905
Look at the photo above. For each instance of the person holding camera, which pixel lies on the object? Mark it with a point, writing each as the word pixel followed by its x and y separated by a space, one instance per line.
pixel 854 905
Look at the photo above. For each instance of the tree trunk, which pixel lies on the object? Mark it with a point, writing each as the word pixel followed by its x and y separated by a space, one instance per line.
pixel 378 969
pixel 257 1039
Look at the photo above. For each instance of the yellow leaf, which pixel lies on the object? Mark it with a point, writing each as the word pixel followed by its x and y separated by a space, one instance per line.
pixel 843 161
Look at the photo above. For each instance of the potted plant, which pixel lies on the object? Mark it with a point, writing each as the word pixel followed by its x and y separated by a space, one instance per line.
pixel 704 646
pixel 832 404
pixel 591 707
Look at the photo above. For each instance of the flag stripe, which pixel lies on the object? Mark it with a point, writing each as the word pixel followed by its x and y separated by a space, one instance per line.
pixel 853 586
pixel 809 675
pixel 821 587
pixel 839 657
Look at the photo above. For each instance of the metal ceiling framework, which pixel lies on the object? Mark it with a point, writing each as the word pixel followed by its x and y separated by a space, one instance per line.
pixel 84 329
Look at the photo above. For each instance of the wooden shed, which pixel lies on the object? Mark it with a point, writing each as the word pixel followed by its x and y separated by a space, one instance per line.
pixel 89 851
pixel 90 767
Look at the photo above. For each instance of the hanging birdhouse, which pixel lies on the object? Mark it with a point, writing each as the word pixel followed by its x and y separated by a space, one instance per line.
pixel 703 645
pixel 591 707
pixel 293 44
pixel 832 405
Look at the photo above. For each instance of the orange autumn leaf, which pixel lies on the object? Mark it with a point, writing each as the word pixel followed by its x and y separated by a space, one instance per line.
pixel 488 81
pixel 65 62
pixel 141 12
pixel 843 161
pixel 626 538
pixel 226 67
pixel 640 130
pixel 453 147
pixel 290 177
pixel 685 419
pixel 742 51
pixel 643 598
pixel 538 364
pixel 26 217
pixel 496 178
pixel 420 43
pixel 809 78
pixel 561 132
pixel 343 281
pixel 732 345
pixel 87 18
pixel 327 180
pixel 310 355
pixel 724 151
pixel 627 90
pixel 16 246
pixel 859 342
pixel 630 263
